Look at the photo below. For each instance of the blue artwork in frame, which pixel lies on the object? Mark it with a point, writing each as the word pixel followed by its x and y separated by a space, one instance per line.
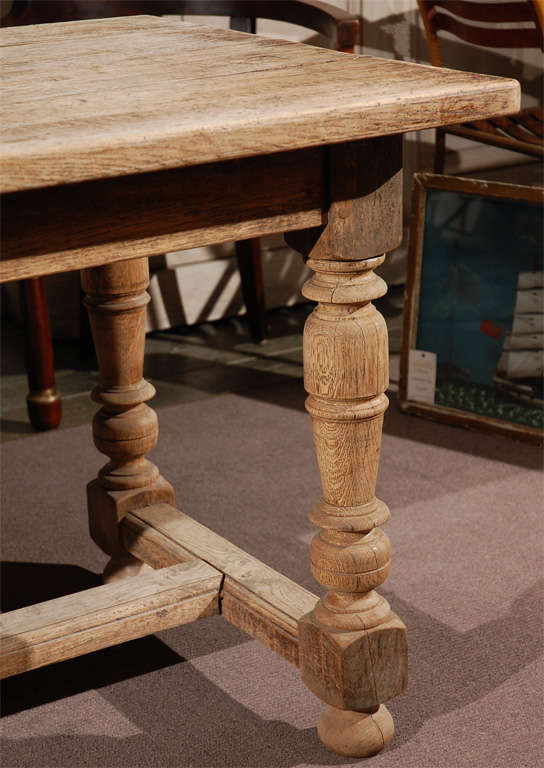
pixel 480 309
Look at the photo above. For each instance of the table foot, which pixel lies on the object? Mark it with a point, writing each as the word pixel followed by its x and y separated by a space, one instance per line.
pixel 355 734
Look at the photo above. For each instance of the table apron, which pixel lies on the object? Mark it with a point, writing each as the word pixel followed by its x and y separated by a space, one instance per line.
pixel 58 229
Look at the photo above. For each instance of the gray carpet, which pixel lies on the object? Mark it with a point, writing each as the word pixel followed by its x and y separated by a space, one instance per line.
pixel 466 530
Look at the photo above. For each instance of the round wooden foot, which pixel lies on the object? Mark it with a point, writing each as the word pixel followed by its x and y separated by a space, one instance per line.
pixel 44 408
pixel 355 734
pixel 123 568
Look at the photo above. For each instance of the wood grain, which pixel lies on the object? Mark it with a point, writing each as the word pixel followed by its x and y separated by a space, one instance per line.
pixel 254 597
pixel 114 613
pixel 96 99
pixel 352 647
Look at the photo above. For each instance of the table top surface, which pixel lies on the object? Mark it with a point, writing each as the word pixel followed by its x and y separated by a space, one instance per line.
pixel 94 99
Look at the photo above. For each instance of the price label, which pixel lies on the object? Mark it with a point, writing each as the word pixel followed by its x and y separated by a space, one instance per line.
pixel 421 376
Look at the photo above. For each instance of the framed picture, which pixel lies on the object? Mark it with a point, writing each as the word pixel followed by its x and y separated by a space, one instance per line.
pixel 473 338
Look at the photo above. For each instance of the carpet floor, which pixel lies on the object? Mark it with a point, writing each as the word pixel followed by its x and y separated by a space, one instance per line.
pixel 466 531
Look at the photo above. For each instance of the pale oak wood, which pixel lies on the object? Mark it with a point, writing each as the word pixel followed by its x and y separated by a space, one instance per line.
pixel 352 647
pixel 114 613
pixel 125 429
pixel 344 731
pixel 72 123
pixel 254 597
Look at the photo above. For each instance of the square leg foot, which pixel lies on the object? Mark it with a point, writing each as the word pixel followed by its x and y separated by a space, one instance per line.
pixel 353 670
pixel 107 509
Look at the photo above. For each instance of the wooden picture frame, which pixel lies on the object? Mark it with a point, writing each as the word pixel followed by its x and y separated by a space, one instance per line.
pixel 506 405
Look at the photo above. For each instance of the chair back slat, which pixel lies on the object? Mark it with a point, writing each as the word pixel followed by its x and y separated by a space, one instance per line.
pixel 512 127
pixel 452 16
pixel 531 121
pixel 491 13
pixel 516 24
pixel 489 37
pixel 340 27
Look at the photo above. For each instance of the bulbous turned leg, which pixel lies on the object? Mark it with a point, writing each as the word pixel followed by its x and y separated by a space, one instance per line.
pixel 124 428
pixel 352 647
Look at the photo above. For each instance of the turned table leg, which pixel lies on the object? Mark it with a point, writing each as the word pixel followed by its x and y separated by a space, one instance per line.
pixel 124 428
pixel 352 648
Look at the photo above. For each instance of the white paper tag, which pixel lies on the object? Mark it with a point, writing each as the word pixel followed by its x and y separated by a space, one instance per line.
pixel 421 376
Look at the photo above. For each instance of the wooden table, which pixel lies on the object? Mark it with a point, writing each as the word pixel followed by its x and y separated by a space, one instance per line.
pixel 132 137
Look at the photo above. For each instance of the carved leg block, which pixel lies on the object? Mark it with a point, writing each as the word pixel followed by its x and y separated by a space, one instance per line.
pixel 355 670
pixel 124 428
pixel 107 509
pixel 352 648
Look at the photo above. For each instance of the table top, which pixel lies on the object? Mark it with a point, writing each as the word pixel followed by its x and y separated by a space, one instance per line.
pixel 94 99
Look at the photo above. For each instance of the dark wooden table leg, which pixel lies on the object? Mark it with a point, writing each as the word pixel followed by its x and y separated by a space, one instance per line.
pixel 43 401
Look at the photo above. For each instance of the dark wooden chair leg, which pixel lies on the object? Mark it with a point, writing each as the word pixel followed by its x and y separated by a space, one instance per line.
pixel 43 401
pixel 439 151
pixel 248 253
pixel 87 354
